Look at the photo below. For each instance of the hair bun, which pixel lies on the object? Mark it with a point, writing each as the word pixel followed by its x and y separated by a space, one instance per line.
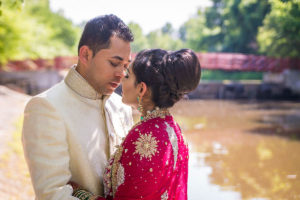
pixel 169 74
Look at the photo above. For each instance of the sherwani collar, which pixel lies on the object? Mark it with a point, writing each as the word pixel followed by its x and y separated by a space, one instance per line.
pixel 79 85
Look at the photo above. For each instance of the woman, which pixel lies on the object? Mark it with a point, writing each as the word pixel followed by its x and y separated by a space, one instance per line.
pixel 152 161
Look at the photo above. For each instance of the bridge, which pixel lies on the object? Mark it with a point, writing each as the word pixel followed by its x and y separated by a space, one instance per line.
pixel 242 62
pixel 212 61
pixel 34 76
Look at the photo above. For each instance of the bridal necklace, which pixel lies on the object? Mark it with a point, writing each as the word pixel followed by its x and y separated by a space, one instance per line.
pixel 157 112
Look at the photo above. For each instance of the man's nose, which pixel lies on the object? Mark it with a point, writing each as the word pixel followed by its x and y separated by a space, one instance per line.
pixel 121 72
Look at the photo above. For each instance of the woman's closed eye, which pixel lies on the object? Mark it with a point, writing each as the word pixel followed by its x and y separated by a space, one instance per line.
pixel 126 73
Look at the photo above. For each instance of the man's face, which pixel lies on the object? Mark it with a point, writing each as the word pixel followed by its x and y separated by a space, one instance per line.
pixel 106 69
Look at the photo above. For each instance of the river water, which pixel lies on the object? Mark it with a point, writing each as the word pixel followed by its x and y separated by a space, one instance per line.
pixel 241 150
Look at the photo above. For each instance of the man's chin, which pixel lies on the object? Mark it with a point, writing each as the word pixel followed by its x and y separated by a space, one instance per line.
pixel 108 91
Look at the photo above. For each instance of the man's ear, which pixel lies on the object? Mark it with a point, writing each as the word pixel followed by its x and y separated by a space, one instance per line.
pixel 85 54
pixel 142 89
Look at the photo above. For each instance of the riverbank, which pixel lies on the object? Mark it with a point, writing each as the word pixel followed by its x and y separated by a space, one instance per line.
pixel 15 182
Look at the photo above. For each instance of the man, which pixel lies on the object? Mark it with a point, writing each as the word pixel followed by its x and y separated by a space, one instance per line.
pixel 71 129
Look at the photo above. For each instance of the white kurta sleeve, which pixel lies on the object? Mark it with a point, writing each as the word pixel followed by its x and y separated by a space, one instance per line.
pixel 46 151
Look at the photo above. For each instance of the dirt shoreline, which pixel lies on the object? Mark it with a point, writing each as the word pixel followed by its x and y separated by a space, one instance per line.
pixel 14 177
pixel 12 105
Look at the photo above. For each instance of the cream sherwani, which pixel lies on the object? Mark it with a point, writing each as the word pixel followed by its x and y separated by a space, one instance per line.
pixel 69 133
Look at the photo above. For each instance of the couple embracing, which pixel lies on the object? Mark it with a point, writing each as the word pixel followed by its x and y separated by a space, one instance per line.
pixel 79 139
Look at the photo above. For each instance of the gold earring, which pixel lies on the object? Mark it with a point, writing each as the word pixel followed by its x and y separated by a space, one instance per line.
pixel 140 107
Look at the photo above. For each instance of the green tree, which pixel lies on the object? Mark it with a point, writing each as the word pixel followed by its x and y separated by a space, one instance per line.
pixel 197 35
pixel 242 19
pixel 182 33
pixel 280 34
pixel 61 36
pixel 12 32
pixel 158 39
pixel 31 30
pixel 140 41
pixel 167 29
pixel 13 4
pixel 226 26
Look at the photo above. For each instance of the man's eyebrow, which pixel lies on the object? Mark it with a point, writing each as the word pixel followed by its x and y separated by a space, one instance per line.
pixel 120 58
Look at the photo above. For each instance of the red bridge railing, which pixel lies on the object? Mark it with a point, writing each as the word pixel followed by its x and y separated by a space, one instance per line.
pixel 223 61
pixel 242 62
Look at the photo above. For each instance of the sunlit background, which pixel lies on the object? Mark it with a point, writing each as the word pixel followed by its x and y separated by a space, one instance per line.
pixel 242 123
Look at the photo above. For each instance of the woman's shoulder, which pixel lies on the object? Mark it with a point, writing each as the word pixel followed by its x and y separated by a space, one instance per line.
pixel 156 127
pixel 154 135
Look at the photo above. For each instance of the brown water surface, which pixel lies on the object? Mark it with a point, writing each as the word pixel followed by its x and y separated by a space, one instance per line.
pixel 242 150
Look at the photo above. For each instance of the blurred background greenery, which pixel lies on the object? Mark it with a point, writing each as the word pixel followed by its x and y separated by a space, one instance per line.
pixel 30 29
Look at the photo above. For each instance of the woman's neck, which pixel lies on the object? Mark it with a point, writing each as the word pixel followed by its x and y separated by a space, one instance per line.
pixel 156 112
pixel 147 108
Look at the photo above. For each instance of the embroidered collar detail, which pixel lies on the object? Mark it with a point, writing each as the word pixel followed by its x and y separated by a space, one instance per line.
pixel 157 112
pixel 79 85
pixel 162 113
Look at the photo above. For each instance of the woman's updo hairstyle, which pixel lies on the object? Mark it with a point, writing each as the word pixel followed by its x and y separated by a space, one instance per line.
pixel 169 75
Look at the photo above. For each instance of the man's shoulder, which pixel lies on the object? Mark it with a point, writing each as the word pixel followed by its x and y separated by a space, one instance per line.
pixel 57 89
pixel 49 95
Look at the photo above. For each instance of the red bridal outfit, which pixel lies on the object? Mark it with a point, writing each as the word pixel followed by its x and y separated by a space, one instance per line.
pixel 151 163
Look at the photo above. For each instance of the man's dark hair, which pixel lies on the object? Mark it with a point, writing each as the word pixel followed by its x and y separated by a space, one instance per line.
pixel 98 31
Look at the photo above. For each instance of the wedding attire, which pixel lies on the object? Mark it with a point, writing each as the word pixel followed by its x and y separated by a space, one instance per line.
pixel 69 133
pixel 151 163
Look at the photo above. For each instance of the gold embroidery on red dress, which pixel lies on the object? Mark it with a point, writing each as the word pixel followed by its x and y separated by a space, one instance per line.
pixel 115 169
pixel 120 175
pixel 146 146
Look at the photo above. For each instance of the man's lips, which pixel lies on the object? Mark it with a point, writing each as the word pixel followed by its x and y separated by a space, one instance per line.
pixel 114 84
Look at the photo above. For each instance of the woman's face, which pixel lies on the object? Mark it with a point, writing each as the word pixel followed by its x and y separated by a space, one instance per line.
pixel 130 90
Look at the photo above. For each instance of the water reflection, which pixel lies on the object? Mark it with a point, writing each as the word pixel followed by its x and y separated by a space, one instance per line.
pixel 200 186
pixel 242 150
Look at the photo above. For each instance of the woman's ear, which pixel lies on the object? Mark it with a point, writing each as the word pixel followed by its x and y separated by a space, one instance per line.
pixel 85 54
pixel 142 89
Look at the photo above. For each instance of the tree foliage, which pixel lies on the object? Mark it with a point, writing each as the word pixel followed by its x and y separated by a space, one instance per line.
pixel 280 34
pixel 167 29
pixel 227 26
pixel 140 41
pixel 31 30
pixel 220 75
pixel 159 39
